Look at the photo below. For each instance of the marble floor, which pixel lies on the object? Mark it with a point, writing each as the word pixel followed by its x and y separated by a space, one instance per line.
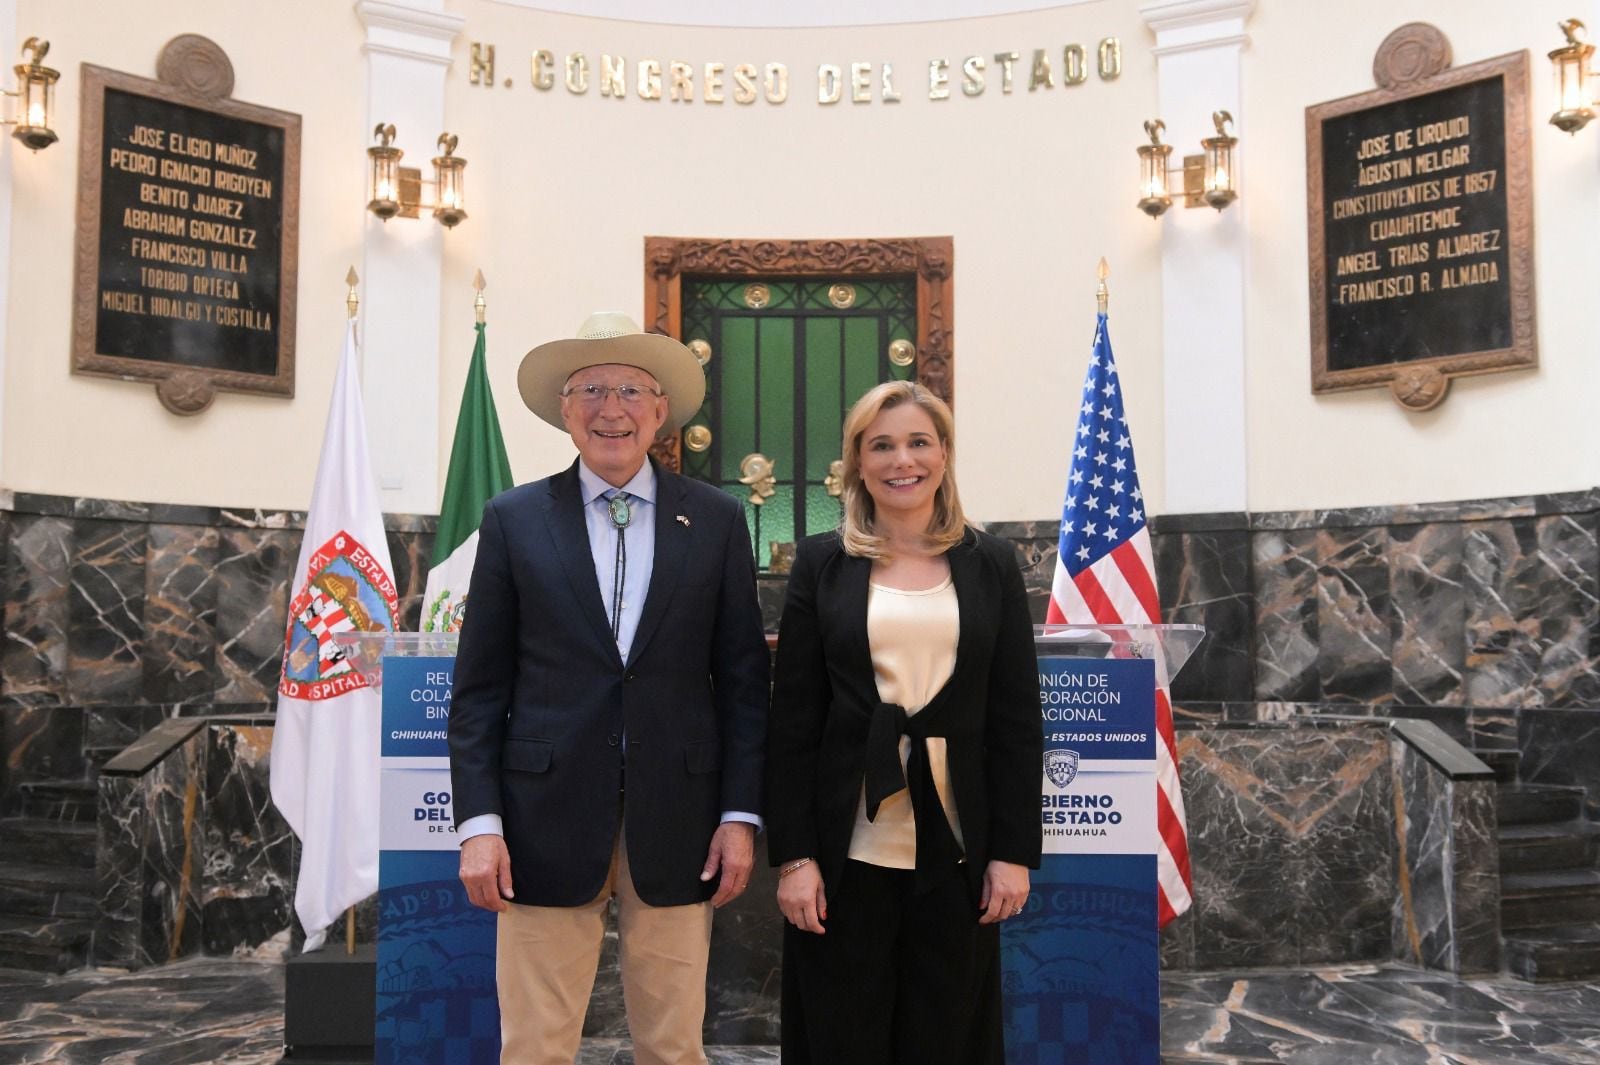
pixel 224 1010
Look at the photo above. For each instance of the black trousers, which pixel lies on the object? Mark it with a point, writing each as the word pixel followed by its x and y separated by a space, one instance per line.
pixel 899 978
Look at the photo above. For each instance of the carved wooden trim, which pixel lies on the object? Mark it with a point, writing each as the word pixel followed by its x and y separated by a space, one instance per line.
pixel 195 72
pixel 930 259
pixel 1403 61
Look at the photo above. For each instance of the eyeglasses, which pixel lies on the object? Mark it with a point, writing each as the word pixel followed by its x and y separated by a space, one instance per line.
pixel 595 395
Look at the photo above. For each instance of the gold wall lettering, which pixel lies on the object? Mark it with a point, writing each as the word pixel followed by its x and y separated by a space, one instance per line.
pixel 676 79
pixel 481 71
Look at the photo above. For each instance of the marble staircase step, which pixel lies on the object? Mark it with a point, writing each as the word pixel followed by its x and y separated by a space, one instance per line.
pixel 1566 952
pixel 46 891
pixel 44 944
pixel 1545 899
pixel 1505 761
pixel 60 800
pixel 30 839
pixel 1550 845
pixel 1521 804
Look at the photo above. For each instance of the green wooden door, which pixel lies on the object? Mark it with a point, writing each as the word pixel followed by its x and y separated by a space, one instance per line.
pixel 786 360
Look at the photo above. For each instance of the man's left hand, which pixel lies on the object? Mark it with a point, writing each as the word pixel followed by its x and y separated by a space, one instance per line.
pixel 733 852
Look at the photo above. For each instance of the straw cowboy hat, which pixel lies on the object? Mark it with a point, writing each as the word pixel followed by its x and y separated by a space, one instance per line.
pixel 611 337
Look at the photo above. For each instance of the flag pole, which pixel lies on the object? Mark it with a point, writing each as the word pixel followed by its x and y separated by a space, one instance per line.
pixel 1101 297
pixel 478 303
pixel 352 303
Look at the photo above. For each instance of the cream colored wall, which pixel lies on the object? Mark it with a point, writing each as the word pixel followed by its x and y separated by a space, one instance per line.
pixel 1497 435
pixel 1034 188
pixel 66 434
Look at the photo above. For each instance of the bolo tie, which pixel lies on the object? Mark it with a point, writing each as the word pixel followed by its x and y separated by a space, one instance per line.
pixel 621 516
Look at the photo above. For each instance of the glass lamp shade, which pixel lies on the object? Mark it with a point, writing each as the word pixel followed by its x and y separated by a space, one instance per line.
pixel 1154 199
pixel 1574 96
pixel 36 91
pixel 384 187
pixel 1218 183
pixel 449 176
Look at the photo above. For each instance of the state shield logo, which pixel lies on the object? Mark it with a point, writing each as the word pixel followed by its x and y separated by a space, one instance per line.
pixel 345 590
pixel 1061 766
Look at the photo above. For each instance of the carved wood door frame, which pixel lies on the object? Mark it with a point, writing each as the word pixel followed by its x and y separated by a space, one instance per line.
pixel 931 260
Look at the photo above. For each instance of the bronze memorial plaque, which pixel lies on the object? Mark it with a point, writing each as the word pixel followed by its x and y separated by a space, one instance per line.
pixel 1421 224
pixel 188 207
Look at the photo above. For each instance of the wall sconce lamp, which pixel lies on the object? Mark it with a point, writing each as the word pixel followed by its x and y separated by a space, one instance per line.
pixel 36 95
pixel 1208 178
pixel 396 190
pixel 1573 90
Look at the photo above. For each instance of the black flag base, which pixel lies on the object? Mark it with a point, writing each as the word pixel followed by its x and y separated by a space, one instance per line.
pixel 329 1005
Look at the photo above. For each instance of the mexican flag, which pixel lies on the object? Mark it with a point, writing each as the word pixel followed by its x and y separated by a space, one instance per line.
pixel 478 472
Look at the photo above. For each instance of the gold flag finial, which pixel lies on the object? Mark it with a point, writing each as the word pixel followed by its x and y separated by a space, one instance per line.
pixel 352 301
pixel 1101 297
pixel 478 303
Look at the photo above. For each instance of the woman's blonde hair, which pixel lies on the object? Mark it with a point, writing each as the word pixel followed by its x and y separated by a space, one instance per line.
pixel 949 523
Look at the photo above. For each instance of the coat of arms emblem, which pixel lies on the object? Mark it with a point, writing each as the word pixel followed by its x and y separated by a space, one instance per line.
pixel 1061 766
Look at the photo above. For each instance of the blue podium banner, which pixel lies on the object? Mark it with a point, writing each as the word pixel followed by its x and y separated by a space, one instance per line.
pixel 436 997
pixel 1080 968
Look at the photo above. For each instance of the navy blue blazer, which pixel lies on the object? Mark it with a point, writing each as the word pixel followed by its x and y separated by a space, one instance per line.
pixel 542 700
pixel 825 693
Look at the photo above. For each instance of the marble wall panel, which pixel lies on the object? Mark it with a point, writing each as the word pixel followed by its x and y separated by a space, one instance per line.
pixel 41 743
pixel 106 610
pixel 1354 645
pixel 1424 933
pixel 147 866
pixel 180 641
pixel 1290 842
pixel 1476 882
pixel 1563 747
pixel 1429 614
pixel 33 661
pixel 170 922
pixel 252 589
pixel 1447 906
pixel 409 552
pixel 108 729
pixel 246 893
pixel 1204 579
pixel 1531 611
pixel 119 872
pixel 1284 565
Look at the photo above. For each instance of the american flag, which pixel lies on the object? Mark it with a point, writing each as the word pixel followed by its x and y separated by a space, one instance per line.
pixel 1105 576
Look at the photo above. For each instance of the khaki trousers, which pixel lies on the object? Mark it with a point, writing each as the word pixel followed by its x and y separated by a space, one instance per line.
pixel 545 963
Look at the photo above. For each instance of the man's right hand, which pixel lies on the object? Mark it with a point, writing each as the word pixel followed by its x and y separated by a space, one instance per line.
pixel 486 872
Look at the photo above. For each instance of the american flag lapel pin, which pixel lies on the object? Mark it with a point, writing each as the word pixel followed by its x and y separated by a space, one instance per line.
pixel 685 519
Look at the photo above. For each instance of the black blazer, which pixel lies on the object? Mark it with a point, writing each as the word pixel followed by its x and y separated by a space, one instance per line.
pixel 825 693
pixel 542 700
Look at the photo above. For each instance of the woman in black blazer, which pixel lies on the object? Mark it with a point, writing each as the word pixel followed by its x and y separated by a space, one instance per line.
pixel 903 759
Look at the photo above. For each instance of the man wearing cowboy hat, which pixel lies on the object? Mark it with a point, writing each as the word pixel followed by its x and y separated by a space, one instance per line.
pixel 609 712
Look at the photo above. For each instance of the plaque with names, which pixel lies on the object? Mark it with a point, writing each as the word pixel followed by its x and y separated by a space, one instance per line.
pixel 187 234
pixel 1421 224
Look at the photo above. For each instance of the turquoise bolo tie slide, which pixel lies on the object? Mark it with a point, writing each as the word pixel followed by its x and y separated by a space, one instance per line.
pixel 621 515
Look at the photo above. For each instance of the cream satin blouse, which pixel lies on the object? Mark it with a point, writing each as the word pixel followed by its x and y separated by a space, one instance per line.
pixel 912 637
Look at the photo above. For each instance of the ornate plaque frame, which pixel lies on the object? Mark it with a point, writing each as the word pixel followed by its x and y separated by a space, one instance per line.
pixel 931 260
pixel 194 72
pixel 1413 61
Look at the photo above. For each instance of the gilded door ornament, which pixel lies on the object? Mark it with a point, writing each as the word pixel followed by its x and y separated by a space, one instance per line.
pixel 842 295
pixel 701 351
pixel 757 296
pixel 834 482
pixel 757 470
pixel 697 437
pixel 902 352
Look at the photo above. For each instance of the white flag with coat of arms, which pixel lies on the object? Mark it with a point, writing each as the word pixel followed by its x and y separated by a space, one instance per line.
pixel 326 738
